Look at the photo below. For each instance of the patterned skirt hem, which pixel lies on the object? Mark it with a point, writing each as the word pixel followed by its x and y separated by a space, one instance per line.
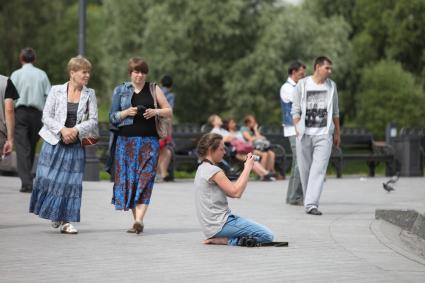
pixel 55 201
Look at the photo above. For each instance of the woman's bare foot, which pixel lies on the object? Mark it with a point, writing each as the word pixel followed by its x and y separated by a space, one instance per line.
pixel 216 241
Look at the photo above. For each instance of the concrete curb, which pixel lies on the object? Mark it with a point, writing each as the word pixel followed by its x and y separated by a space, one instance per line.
pixel 410 220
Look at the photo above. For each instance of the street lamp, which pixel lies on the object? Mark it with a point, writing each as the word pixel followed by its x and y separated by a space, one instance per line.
pixel 82 27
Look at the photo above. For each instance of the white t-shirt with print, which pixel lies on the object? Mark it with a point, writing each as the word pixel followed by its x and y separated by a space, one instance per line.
pixel 316 116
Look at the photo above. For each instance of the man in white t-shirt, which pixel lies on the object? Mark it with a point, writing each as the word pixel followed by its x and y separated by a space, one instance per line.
pixel 296 71
pixel 315 114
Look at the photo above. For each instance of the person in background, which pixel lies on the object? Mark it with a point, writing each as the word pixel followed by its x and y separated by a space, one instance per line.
pixel 137 146
pixel 33 86
pixel 166 145
pixel 296 71
pixel 219 225
pixel 245 148
pixel 252 134
pixel 8 94
pixel 69 116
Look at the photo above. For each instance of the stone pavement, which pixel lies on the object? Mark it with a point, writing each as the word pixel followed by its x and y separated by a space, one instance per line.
pixel 346 244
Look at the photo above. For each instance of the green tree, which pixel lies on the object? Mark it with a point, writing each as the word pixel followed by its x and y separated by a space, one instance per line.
pixel 195 41
pixel 27 23
pixel 389 93
pixel 286 34
pixel 51 28
pixel 406 30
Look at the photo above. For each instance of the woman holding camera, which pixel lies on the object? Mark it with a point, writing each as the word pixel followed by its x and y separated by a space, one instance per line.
pixel 219 224
pixel 137 146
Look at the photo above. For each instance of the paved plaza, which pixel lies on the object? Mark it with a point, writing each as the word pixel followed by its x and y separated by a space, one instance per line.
pixel 346 244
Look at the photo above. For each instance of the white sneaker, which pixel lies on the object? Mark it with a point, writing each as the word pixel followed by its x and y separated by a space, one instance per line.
pixel 67 228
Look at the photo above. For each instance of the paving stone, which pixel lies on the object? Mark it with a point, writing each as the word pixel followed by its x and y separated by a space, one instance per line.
pixel 345 244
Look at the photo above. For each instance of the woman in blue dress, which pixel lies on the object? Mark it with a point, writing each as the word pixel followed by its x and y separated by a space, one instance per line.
pixel 137 146
pixel 69 115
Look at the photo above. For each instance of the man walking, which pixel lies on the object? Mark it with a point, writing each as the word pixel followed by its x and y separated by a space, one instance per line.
pixel 8 94
pixel 296 71
pixel 33 86
pixel 315 114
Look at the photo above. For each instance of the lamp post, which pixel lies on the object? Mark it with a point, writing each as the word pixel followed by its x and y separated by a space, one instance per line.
pixel 82 27
pixel 91 172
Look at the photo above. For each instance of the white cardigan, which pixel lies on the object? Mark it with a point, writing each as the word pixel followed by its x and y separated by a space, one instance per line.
pixel 55 111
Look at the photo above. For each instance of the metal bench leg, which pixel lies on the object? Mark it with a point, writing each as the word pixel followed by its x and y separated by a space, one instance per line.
pixel 371 165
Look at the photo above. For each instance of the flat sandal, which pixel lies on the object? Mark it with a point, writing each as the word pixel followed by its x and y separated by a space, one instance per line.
pixel 138 227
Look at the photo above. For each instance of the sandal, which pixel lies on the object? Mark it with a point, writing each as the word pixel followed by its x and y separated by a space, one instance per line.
pixel 138 227
pixel 67 228
pixel 131 230
pixel 56 224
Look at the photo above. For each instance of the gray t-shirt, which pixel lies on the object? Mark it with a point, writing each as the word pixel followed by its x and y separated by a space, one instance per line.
pixel 212 208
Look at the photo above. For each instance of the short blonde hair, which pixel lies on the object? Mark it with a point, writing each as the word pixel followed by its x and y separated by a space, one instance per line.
pixel 212 118
pixel 79 63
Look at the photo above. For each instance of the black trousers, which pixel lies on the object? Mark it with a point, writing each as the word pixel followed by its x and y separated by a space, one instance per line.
pixel 27 125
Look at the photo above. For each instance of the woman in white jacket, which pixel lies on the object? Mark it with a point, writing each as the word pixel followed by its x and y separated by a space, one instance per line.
pixel 70 114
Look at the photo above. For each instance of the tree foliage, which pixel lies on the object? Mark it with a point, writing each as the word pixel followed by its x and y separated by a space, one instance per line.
pixel 255 79
pixel 388 93
pixel 195 41
pixel 228 57
pixel 51 28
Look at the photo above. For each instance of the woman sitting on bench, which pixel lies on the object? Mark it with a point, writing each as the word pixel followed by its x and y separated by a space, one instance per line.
pixel 242 147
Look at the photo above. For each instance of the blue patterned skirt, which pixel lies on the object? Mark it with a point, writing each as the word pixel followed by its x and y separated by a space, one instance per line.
pixel 58 186
pixel 135 170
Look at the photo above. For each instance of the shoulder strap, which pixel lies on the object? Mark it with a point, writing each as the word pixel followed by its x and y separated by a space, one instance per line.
pixel 152 88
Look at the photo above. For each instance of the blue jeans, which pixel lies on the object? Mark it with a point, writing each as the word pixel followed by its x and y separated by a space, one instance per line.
pixel 237 227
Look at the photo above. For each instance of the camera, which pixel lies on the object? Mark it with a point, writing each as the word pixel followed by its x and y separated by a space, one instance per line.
pixel 141 109
pixel 247 241
pixel 256 157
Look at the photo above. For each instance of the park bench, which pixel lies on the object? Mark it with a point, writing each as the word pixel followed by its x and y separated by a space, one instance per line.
pixel 185 138
pixel 356 145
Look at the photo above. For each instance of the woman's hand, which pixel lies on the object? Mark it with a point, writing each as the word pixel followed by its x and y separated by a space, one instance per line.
pixel 69 135
pixel 249 162
pixel 131 111
pixel 149 113
pixel 7 148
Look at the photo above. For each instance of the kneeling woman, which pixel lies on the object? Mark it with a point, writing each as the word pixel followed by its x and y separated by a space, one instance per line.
pixel 218 223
